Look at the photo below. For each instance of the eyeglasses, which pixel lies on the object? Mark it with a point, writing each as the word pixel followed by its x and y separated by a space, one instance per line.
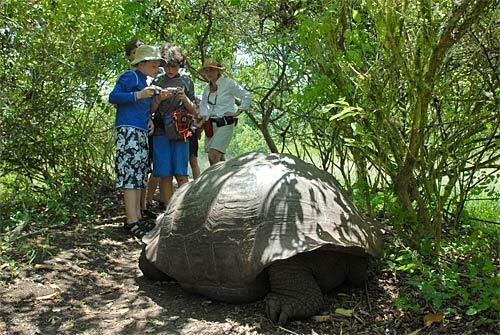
pixel 210 102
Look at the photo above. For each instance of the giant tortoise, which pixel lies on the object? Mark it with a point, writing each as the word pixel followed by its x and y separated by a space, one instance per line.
pixel 262 225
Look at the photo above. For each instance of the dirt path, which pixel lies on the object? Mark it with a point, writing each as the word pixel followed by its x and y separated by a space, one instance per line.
pixel 89 283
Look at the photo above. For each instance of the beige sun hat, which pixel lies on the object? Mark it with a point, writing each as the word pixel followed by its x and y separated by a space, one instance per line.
pixel 210 63
pixel 146 52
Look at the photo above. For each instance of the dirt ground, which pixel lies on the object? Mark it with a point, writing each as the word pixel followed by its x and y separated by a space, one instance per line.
pixel 88 282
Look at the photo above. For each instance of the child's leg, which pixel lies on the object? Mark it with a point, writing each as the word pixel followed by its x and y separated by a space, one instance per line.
pixel 181 180
pixel 130 197
pixel 166 189
pixel 138 196
pixel 195 168
pixel 143 198
pixel 152 186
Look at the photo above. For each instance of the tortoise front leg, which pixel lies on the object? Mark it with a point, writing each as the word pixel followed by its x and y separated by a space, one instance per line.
pixel 294 292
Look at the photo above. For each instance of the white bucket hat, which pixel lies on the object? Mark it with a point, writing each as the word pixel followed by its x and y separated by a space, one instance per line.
pixel 146 52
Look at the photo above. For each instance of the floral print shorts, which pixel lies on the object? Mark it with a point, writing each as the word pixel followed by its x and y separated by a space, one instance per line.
pixel 131 164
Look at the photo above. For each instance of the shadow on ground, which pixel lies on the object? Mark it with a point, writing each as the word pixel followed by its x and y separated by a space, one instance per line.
pixel 87 282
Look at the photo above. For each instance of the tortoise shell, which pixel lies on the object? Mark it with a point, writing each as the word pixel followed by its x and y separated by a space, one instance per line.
pixel 220 231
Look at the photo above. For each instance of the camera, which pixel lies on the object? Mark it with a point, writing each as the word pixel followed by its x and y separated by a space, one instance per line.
pixel 157 90
pixel 174 90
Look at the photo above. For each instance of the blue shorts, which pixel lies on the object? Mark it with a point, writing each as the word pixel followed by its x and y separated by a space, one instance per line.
pixel 170 158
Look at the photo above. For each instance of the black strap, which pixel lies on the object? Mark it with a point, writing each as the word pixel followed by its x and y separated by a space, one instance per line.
pixel 224 121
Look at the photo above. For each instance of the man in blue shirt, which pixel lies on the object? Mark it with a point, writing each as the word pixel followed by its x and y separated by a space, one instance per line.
pixel 132 96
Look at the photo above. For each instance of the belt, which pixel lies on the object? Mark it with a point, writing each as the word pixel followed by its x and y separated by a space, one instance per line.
pixel 223 121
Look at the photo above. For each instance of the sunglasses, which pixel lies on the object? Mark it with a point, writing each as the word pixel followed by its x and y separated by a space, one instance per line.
pixel 210 102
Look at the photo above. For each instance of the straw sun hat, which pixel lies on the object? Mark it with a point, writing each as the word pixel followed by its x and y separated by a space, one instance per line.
pixel 210 63
pixel 146 52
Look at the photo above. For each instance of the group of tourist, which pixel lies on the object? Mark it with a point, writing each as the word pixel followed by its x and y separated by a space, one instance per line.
pixel 159 121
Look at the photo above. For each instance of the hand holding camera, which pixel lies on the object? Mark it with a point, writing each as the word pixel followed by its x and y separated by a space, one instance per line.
pixel 146 92
pixel 182 95
pixel 157 89
pixel 169 92
pixel 175 90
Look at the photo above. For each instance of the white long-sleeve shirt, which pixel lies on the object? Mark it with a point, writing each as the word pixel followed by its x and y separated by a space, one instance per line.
pixel 223 100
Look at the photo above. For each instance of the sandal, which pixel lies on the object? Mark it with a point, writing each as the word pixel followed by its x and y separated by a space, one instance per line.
pixel 148 226
pixel 148 213
pixel 151 204
pixel 128 226
pixel 136 228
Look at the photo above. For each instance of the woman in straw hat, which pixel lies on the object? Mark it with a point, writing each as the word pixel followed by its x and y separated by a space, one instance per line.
pixel 218 108
pixel 132 96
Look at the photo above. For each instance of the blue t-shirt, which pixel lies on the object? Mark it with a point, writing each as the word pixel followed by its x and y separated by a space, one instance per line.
pixel 130 111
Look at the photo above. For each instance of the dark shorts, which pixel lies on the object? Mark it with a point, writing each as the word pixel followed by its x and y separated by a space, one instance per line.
pixel 193 144
pixel 131 163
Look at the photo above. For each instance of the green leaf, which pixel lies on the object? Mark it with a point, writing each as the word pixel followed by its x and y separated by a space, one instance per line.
pixel 355 15
pixel 471 311
pixel 345 113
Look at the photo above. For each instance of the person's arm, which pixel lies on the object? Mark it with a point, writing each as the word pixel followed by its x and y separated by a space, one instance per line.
pixel 240 92
pixel 124 90
pixel 203 104
pixel 151 127
pixel 186 102
pixel 186 94
pixel 198 119
pixel 155 103
pixel 164 94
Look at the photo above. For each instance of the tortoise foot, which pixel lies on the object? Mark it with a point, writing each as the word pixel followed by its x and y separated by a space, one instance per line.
pixel 279 309
pixel 282 308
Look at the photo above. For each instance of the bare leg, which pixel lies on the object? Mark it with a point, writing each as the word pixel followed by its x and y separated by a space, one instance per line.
pixel 193 162
pixel 181 180
pixel 166 189
pixel 152 186
pixel 132 198
pixel 143 198
pixel 138 198
pixel 215 156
